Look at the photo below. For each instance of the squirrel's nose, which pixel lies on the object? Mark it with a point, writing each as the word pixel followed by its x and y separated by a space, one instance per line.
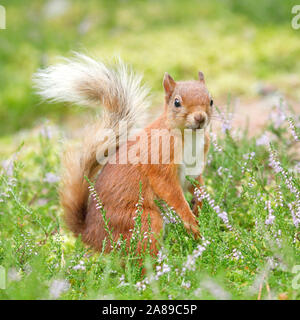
pixel 199 118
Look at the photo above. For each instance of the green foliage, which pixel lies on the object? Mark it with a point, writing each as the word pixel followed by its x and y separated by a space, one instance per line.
pixel 232 260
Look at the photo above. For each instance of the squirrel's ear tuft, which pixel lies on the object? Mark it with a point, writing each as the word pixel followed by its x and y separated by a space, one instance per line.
pixel 201 76
pixel 169 84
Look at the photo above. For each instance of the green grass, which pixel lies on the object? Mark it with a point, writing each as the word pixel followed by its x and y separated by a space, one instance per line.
pixel 232 262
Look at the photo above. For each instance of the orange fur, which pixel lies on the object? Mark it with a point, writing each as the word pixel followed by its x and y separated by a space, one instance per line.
pixel 187 105
pixel 118 184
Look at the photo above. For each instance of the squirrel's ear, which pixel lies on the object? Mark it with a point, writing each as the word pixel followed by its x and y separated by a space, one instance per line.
pixel 169 84
pixel 201 76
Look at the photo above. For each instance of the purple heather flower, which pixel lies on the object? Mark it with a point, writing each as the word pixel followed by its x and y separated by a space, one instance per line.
pixel 201 194
pixel 51 178
pixel 293 129
pixel 263 140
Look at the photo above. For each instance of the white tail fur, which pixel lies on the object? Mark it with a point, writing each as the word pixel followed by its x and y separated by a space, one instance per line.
pixel 82 80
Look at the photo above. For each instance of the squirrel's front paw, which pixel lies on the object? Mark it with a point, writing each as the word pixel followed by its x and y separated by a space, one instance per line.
pixel 196 232
pixel 194 228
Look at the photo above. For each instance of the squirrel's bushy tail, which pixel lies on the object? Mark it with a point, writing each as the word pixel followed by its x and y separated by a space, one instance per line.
pixel 84 81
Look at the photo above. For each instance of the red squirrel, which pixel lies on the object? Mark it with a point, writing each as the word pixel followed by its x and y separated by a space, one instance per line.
pixel 85 81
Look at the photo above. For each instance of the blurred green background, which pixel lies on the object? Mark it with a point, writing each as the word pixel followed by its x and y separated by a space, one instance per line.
pixel 237 44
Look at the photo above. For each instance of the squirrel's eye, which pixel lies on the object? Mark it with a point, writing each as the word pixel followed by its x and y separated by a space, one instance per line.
pixel 177 103
pixel 211 102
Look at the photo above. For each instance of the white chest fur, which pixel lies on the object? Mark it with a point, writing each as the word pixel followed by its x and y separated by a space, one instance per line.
pixel 192 163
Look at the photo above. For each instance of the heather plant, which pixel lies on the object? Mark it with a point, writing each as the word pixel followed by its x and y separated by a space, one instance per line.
pixel 249 224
